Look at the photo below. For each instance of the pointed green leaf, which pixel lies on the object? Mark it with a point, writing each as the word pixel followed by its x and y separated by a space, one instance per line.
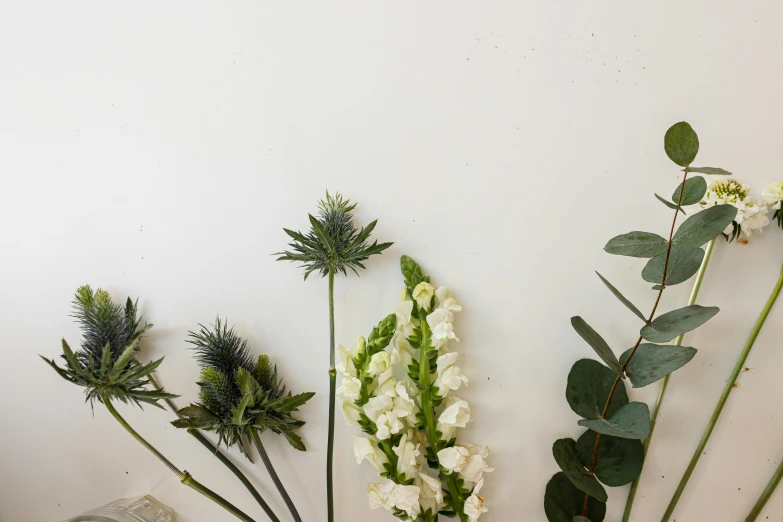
pixel 669 204
pixel 125 358
pixel 294 440
pixel 238 412
pixel 651 362
pixel 589 384
pixel 713 171
pixel 695 188
pixel 666 327
pixel 564 451
pixel 632 421
pixel 619 461
pixel 198 412
pixel 704 226
pixel 622 298
pixel 563 501
pixel 681 144
pixel 245 382
pixel 597 342
pixel 683 263
pixel 637 244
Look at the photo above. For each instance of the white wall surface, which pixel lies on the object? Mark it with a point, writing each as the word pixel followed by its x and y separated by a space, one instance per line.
pixel 156 148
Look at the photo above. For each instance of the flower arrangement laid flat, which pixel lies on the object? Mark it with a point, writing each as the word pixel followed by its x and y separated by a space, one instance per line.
pixel 399 386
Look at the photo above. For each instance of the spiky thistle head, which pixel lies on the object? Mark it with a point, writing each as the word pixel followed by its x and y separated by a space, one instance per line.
pixel 239 393
pixel 106 364
pixel 333 242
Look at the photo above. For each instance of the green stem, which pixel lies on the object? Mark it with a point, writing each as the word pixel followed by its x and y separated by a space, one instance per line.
pixel 221 457
pixel 457 502
pixel 184 477
pixel 665 383
pixel 332 393
pixel 766 494
pixel 722 402
pixel 272 473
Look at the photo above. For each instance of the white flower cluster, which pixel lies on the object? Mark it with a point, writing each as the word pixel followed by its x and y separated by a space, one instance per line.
pixel 389 410
pixel 773 195
pixel 751 214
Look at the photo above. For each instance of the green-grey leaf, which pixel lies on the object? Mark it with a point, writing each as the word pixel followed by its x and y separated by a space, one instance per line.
pixel 651 362
pixel 563 501
pixel 245 382
pixel 198 412
pixel 683 263
pixel 632 421
pixel 713 171
pixel 637 244
pixel 619 461
pixel 681 144
pixel 704 226
pixel 589 384
pixel 669 204
pixel 564 451
pixel 695 188
pixel 597 342
pixel 666 327
pixel 622 298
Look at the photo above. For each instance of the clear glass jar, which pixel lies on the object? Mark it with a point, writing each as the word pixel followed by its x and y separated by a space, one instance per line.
pixel 144 509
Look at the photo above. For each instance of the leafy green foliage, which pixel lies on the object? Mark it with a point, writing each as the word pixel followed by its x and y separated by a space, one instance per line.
pixel 637 244
pixel 632 421
pixel 708 170
pixel 106 364
pixel 618 461
pixel 669 204
pixel 666 327
pixel 704 226
pixel 692 191
pixel 239 395
pixel 563 501
pixel 589 384
pixel 564 451
pixel 622 298
pixel 652 362
pixel 683 264
pixel 597 343
pixel 681 144
pixel 333 242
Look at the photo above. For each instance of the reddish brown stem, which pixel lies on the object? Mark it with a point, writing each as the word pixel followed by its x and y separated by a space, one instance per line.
pixel 594 459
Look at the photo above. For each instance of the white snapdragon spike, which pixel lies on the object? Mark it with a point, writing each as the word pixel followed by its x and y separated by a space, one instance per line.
pixel 450 377
pixel 379 363
pixel 751 215
pixel 455 415
pixel 365 449
pixel 407 452
pixel 474 505
pixel 423 294
pixel 773 196
pixel 430 492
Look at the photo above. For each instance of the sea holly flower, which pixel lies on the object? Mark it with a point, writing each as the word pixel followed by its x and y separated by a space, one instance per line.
pixel 751 214
pixel 413 421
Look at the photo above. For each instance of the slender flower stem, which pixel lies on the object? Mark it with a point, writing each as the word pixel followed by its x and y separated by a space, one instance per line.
pixel 766 494
pixel 272 473
pixel 332 393
pixel 221 457
pixel 723 398
pixel 665 382
pixel 184 477
pixel 457 502
pixel 594 460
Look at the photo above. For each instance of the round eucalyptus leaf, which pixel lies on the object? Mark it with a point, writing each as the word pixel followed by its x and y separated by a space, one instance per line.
pixel 563 501
pixel 683 263
pixel 695 188
pixel 652 362
pixel 632 421
pixel 619 460
pixel 589 384
pixel 681 144
pixel 564 451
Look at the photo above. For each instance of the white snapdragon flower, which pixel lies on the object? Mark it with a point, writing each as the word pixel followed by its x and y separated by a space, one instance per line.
pixel 403 311
pixel 430 492
pixel 454 458
pixel 455 415
pixel 476 464
pixel 365 449
pixel 773 196
pixel 345 367
pixel 408 452
pixel 450 377
pixel 387 383
pixel 402 351
pixel 474 505
pixel 446 301
pixel 386 411
pixel 441 324
pixel 379 363
pixel 351 412
pixel 378 493
pixel 350 387
pixel 751 215
pixel 423 294
pixel 389 495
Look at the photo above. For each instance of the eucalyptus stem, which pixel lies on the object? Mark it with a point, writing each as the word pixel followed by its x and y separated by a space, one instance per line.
pixel 222 458
pixel 457 502
pixel 723 398
pixel 332 393
pixel 766 494
pixel 272 473
pixel 654 415
pixel 184 477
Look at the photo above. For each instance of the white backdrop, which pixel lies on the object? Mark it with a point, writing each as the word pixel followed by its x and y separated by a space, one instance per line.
pixel 156 149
